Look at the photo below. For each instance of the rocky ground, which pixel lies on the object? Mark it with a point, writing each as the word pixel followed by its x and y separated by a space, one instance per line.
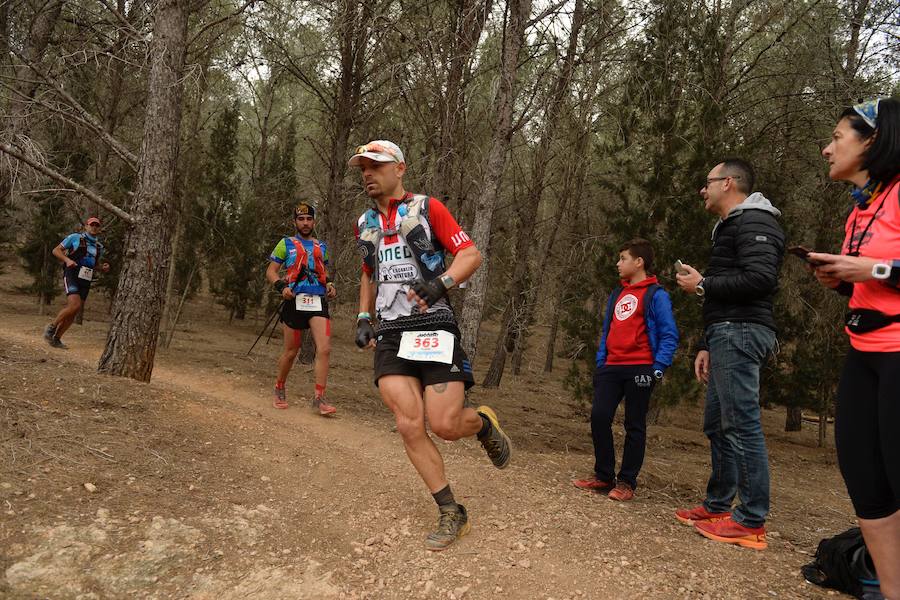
pixel 193 486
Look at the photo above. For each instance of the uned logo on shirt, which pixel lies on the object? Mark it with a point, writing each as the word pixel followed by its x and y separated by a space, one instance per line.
pixel 626 306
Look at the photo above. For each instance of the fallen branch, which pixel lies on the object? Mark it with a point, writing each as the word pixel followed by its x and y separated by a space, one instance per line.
pixel 77 187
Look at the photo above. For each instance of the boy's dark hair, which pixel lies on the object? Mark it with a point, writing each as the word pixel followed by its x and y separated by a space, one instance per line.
pixel 882 158
pixel 742 172
pixel 640 248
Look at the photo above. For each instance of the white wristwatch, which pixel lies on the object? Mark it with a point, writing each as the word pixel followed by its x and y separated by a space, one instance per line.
pixel 881 271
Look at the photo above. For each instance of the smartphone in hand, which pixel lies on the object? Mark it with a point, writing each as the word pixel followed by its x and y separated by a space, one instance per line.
pixel 679 267
pixel 802 252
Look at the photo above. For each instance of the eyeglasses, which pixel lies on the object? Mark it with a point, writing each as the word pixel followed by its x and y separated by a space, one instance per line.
pixel 710 180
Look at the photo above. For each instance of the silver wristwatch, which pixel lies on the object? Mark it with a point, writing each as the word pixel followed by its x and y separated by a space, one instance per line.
pixel 700 291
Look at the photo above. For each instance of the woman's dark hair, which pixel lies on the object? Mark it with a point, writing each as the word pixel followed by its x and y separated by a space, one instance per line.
pixel 882 158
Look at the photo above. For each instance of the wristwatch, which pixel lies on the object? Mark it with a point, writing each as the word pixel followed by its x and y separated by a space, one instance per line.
pixel 447 281
pixel 700 291
pixel 881 271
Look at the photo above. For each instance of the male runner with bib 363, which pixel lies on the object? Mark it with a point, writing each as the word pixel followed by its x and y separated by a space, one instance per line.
pixel 305 289
pixel 420 368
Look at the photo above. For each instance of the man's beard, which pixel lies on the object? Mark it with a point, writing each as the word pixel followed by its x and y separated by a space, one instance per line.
pixel 305 231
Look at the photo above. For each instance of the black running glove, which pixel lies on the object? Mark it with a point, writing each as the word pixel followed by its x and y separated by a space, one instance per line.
pixel 364 333
pixel 429 291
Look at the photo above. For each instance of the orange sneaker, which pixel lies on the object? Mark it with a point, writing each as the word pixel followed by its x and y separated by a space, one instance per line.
pixel 689 516
pixel 731 532
pixel 592 484
pixel 622 492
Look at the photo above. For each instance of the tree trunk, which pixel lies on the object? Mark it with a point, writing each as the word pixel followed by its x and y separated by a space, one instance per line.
pixel 521 295
pixel 554 331
pixel 177 315
pixel 518 12
pixel 132 338
pixel 16 125
pixel 354 20
pixel 793 419
pixel 823 427
pixel 856 24
pixel 467 22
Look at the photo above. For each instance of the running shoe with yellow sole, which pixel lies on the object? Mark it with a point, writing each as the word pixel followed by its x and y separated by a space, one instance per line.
pixel 495 442
pixel 453 524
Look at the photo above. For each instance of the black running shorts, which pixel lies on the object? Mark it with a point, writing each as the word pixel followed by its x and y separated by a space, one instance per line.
pixel 429 373
pixel 74 284
pixel 299 319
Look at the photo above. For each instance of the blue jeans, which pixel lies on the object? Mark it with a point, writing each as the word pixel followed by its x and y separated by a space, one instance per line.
pixel 731 421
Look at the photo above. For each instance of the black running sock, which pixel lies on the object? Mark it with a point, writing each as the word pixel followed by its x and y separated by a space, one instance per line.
pixel 485 426
pixel 444 496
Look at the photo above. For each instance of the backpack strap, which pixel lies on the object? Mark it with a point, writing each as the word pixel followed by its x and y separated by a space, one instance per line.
pixel 648 299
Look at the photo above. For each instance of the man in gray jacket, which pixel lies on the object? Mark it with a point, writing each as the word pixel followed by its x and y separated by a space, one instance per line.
pixel 738 290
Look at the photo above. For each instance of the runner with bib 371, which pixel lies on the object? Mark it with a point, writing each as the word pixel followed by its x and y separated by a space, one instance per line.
pixel 420 368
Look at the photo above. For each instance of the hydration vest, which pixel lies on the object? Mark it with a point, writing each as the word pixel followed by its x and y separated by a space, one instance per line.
pixel 299 271
pixel 413 212
pixel 82 250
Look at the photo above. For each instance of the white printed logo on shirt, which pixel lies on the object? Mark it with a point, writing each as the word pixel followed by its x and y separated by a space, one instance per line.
pixel 626 306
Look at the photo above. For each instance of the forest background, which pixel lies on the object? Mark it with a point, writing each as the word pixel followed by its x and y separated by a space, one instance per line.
pixel 555 131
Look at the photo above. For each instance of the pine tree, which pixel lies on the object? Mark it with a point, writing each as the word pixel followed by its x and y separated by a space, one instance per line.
pixel 48 228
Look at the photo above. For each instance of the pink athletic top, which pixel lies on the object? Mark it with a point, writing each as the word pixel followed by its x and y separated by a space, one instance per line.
pixel 879 240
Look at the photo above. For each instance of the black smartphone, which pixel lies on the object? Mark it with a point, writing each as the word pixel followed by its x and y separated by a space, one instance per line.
pixel 803 253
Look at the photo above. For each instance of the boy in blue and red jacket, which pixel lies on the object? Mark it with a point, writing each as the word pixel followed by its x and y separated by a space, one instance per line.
pixel 637 345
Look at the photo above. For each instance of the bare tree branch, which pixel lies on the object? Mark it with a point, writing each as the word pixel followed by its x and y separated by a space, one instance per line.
pixel 74 185
pixel 221 20
pixel 84 115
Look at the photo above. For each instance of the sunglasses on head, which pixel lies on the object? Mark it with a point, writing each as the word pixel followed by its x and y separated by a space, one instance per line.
pixel 377 148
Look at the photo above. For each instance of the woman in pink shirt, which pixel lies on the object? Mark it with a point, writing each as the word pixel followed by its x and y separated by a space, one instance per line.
pixel 865 151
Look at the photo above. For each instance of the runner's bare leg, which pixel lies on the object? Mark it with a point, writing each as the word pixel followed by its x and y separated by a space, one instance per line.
pixel 447 417
pixel 403 395
pixel 321 332
pixel 66 316
pixel 291 347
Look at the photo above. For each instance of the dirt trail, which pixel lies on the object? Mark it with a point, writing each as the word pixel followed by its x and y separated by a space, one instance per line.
pixel 202 490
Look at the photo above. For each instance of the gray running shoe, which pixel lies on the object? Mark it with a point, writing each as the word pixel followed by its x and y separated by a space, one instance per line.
pixel 49 333
pixel 453 524
pixel 58 343
pixel 496 443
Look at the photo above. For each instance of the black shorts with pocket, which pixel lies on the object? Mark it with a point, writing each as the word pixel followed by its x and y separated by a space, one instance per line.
pixel 75 284
pixel 299 319
pixel 387 362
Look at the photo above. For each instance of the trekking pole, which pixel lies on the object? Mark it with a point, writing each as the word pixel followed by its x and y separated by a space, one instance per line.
pixel 272 316
pixel 274 325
